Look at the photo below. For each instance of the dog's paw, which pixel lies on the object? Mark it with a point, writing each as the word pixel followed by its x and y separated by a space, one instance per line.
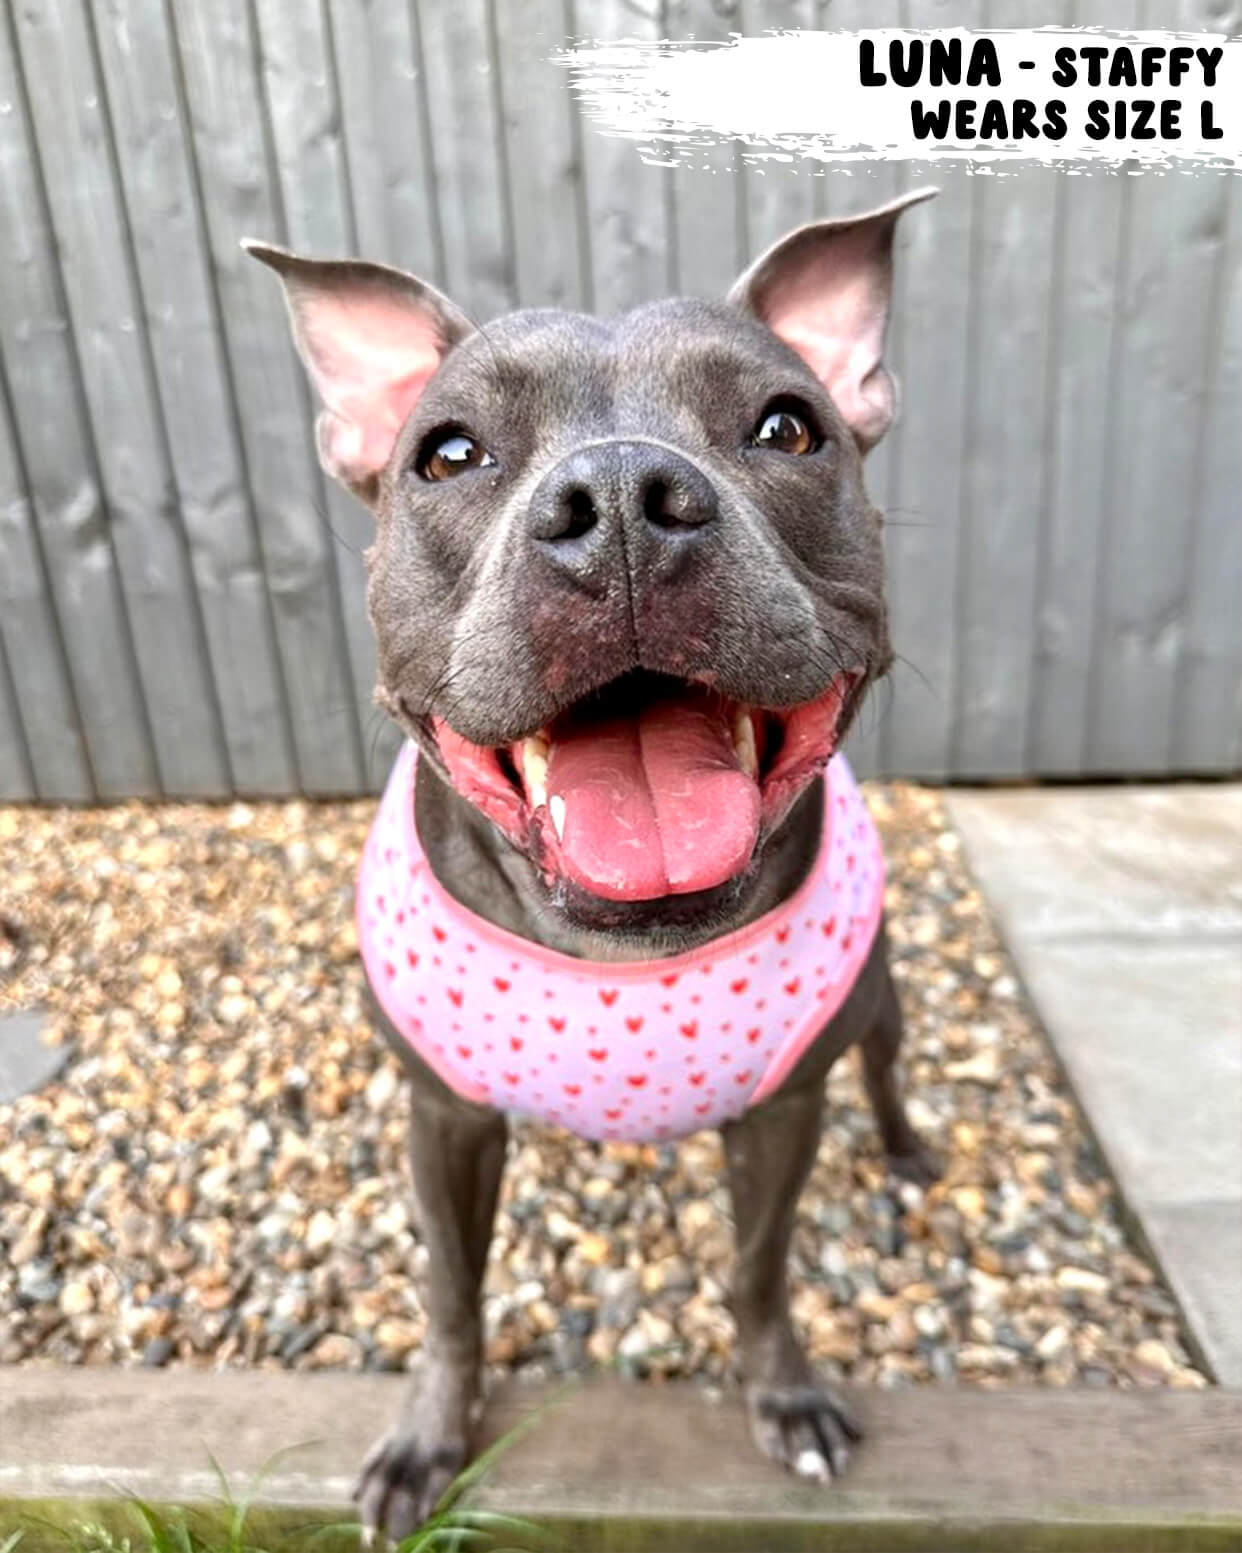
pixel 807 1429
pixel 917 1165
pixel 401 1483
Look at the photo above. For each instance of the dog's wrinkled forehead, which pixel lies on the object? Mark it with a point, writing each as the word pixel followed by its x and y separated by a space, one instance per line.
pixel 377 341
pixel 673 370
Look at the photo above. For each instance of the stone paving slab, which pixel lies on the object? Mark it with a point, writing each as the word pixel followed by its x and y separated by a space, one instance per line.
pixel 1123 910
pixel 26 1061
pixel 1147 862
pixel 627 1466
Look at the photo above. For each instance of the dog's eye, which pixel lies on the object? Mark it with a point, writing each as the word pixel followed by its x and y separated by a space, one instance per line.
pixel 447 454
pixel 783 431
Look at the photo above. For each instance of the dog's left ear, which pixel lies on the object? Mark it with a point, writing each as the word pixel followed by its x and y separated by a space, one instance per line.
pixel 825 290
pixel 371 338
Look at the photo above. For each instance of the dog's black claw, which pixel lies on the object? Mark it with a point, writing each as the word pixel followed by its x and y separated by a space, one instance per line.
pixel 807 1429
pixel 400 1485
pixel 919 1166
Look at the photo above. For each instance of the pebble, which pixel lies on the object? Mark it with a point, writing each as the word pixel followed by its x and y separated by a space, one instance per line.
pixel 77 1298
pixel 218 1176
pixel 1081 1280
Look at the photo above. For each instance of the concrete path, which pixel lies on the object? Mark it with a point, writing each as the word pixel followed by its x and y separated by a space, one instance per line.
pixel 1123 909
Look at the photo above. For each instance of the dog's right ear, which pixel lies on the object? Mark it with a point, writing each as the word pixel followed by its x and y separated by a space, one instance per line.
pixel 371 339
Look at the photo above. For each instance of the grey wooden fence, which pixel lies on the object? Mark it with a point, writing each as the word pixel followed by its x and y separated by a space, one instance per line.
pixel 181 593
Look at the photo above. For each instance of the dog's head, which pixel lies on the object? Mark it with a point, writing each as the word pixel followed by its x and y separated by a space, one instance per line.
pixel 627 585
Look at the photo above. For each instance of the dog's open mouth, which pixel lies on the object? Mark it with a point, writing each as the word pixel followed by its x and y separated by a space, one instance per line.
pixel 650 787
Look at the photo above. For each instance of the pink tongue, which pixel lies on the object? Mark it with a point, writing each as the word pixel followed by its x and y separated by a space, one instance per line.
pixel 655 803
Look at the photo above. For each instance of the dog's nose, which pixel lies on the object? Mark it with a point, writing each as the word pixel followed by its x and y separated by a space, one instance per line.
pixel 620 499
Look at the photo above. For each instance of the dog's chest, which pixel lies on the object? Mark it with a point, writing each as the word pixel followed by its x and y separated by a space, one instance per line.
pixel 639 1052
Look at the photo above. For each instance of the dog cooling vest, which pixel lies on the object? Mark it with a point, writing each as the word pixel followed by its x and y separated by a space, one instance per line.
pixel 636 1051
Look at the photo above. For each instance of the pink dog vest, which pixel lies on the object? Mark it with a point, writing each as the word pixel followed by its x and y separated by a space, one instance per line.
pixel 635 1051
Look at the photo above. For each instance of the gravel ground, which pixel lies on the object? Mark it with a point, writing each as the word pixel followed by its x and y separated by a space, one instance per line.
pixel 218 1179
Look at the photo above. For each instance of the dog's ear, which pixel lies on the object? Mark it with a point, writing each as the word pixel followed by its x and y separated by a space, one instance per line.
pixel 371 338
pixel 825 289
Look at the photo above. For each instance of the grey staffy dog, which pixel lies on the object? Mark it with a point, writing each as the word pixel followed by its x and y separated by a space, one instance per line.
pixel 585 528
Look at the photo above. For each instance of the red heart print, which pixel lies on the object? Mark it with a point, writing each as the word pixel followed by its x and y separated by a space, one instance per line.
pixel 782 934
pixel 598 1054
pixel 390 970
pixel 636 1080
pixel 634 1023
pixel 743 1077
pixel 515 1043
pixel 557 1023
pixel 791 987
pixel 608 996
pixel 500 984
pixel 454 995
pixel 438 933
pixel 510 1078
pixel 830 927
pixel 670 980
pixel 465 1053
pixel 613 1116
pixel 739 986
pixel 847 942
pixel 691 1030
pixel 572 1090
pixel 697 1079
pixel 753 1035
pixel 411 957
pixel 702 1110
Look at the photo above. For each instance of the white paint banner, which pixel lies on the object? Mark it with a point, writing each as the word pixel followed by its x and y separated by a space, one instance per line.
pixel 1053 95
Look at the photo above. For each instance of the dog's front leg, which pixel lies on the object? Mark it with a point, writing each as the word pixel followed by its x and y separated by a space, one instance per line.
pixel 457 1153
pixel 794 1417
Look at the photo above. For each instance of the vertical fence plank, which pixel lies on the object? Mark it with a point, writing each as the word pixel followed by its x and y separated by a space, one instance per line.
pixel 461 79
pixel 1169 283
pixel 779 195
pixel 1084 334
pixel 707 196
pixel 852 191
pixel 302 96
pixel 923 497
pixel 387 127
pixel 218 51
pixel 1207 709
pixel 194 391
pixel 627 204
pixel 17 778
pixel 70 524
pixel 543 139
pixel 94 249
pixel 1005 471
pixel 44 717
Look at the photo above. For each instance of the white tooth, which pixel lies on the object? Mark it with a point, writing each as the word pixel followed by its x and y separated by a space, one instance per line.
pixel 535 769
pixel 556 808
pixel 744 742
